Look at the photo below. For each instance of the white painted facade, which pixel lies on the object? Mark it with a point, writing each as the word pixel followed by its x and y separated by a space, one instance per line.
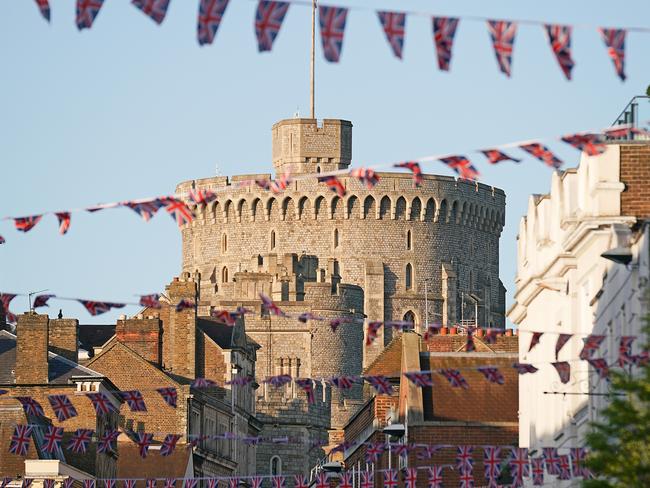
pixel 563 285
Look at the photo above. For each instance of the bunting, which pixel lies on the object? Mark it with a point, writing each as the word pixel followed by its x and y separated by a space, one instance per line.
pixel 414 168
pixel 601 367
pixel 494 156
pixel 101 403
pixel 366 176
pixel 154 9
pixel 551 460
pixel 562 339
pixel 307 385
pixel 615 41
pixel 98 308
pixel 209 18
pixel 591 345
pixel 52 439
pixel 107 441
pixel 519 464
pixel 534 340
pixel 559 36
pixel 419 379
pixel 169 394
pixel 134 400
pixel 537 469
pixel 394 25
pixel 381 384
pixel 147 208
pixel 461 166
pixel 435 477
pixel 454 377
pixel 20 440
pixel 444 30
pixel 503 34
pixel 492 374
pixel 588 143
pixel 5 299
pixel 41 301
pixel 334 184
pixel 332 28
pixel 44 8
pixel 31 406
pixel 64 222
pixel 87 11
pixel 179 211
pixel 80 440
pixel 25 224
pixel 492 463
pixel 563 370
pixel 62 407
pixel 268 21
pixel 542 153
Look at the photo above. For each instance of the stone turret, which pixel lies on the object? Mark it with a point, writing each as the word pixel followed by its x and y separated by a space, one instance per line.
pixel 305 146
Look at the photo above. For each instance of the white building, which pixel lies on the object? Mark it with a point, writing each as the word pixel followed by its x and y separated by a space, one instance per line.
pixel 563 285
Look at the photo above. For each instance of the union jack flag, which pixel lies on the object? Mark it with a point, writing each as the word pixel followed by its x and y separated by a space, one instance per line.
pixel 565 468
pixel 106 442
pixel 87 11
pixel 466 478
pixel 492 462
pixel 491 336
pixel 562 339
pixel 307 385
pixel 143 440
pixel 2 240
pixel 134 399
pixel 203 197
pixel 27 482
pixel 625 350
pixel 190 483
pixel 601 367
pixel 68 482
pixel 270 307
pixel 454 377
pixel 578 455
pixel 80 440
pixel 41 301
pixel 346 480
pixel 62 406
pixel 537 465
pixel 492 374
pixel 414 168
pixel 334 323
pixel 240 380
pixel 374 451
pixel 225 317
pixel 5 299
pixel 31 406
pixel 129 483
pixel 170 483
pixel 44 7
pixel 278 481
pixel 588 143
pixel 64 221
pixel 390 478
pixel 411 477
pixel 210 15
pixel 373 329
pixel 367 479
pixel 519 462
pixel 52 439
pixel 419 378
pixel 109 483
pixel 203 383
pixel 98 308
pixel 366 176
pixel 444 30
pixel 400 449
pixel 179 211
pixel 307 316
pixel 470 346
pixel 156 9
pixel 233 482
pixel 280 184
pixel 102 404
pixel 279 380
pixel 495 156
pixel 88 483
pixel 332 27
pixel 524 368
pixel 394 25
pixel 212 482
pixel 256 482
pixel 5 481
pixel 435 477
pixel 342 382
pixel 461 166
pixel 591 345
pixel 25 224
pixel 147 208
pixel 332 182
pixel 322 480
pixel 542 153
pixel 559 36
pixel 503 39
pixel 299 481
pixel 464 458
pixel 551 460
pixel 150 301
pixel 563 370
pixel 169 394
pixel 641 359
pixel 268 21
pixel 381 384
pixel 185 304
pixel 615 42
pixel 535 340
pixel 48 483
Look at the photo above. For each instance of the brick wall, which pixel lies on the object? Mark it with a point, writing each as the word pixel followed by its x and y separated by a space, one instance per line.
pixel 142 336
pixel 31 349
pixel 64 338
pixel 635 173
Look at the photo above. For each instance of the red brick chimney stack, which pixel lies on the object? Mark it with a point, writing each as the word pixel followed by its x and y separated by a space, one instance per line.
pixel 143 336
pixel 182 327
pixel 64 338
pixel 31 349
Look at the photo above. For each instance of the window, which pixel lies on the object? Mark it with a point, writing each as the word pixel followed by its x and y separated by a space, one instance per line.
pixel 224 243
pixel 276 466
pixel 224 275
pixel 272 239
pixel 409 276
pixel 410 317
pixel 336 238
pixel 408 240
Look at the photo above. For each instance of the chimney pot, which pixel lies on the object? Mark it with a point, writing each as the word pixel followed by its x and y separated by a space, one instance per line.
pixel 31 349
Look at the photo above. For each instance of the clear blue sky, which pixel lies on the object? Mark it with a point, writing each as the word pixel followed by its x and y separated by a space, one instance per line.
pixel 129 109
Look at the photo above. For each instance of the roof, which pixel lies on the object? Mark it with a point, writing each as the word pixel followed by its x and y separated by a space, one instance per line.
pixel 222 334
pixel 131 465
pixel 60 369
pixel 91 336
pixel 389 361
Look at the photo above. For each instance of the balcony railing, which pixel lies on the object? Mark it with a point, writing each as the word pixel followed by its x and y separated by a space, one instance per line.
pixel 637 115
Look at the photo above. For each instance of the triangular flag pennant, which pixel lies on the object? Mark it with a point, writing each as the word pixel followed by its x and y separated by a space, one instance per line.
pixel 562 339
pixel 615 42
pixel 268 20
pixel 559 36
pixel 332 29
pixel 563 370
pixel 44 7
pixel 534 340
pixel 495 156
pixel 64 222
pixel 87 11
pixel 503 34
pixel 155 9
pixel 210 15
pixel 542 153
pixel 394 25
pixel 444 29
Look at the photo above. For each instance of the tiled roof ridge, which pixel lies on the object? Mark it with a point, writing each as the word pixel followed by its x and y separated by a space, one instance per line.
pixel 385 351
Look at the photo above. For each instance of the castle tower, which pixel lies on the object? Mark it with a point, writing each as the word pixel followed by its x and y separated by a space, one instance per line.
pixel 307 146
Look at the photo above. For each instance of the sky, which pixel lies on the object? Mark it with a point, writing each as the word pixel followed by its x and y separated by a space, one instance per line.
pixel 128 109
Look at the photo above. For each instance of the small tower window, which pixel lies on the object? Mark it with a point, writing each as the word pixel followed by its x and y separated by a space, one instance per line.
pixel 224 275
pixel 276 466
pixel 272 239
pixel 410 317
pixel 336 238
pixel 408 240
pixel 224 243
pixel 409 276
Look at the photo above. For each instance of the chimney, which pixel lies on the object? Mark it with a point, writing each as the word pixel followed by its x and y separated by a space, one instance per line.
pixel 64 338
pixel 143 336
pixel 181 330
pixel 31 349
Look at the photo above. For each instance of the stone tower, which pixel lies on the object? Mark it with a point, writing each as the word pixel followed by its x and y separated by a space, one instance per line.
pixel 371 254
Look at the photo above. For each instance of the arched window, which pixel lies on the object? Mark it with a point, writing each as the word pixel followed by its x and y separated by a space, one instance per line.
pixel 410 317
pixel 317 169
pixel 224 275
pixel 276 466
pixel 224 243
pixel 272 239
pixel 336 238
pixel 409 276
pixel 408 240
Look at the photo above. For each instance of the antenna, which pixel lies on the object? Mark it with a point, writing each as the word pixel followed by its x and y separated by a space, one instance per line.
pixel 217 170
pixel 313 47
pixel 29 295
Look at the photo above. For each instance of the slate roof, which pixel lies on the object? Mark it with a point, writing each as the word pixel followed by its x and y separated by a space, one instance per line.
pixel 60 368
pixel 91 336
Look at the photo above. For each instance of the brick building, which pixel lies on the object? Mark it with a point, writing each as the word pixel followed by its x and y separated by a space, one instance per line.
pixel 393 252
pixel 484 414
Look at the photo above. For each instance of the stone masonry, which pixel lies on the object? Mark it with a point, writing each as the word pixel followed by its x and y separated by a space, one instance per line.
pixel 368 255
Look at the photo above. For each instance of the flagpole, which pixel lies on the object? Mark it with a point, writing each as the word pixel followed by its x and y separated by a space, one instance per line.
pixel 313 46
